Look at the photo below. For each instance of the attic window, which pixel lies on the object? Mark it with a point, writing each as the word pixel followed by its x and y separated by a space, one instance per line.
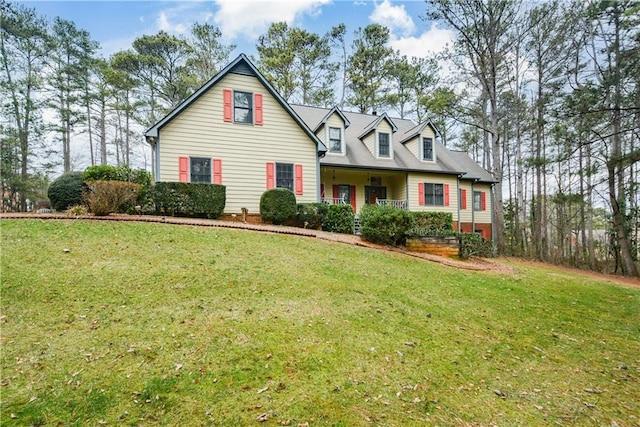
pixel 427 149
pixel 335 140
pixel 383 145
pixel 242 107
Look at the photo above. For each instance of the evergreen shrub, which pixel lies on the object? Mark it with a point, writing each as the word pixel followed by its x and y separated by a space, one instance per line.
pixel 278 205
pixel 339 219
pixel 385 225
pixel 66 191
pixel 312 215
pixel 431 224
pixel 190 200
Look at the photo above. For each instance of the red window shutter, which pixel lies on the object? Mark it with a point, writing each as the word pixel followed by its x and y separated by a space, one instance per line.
pixel 463 198
pixel 183 169
pixel 352 191
pixel 227 98
pixel 299 186
pixel 217 171
pixel 483 201
pixel 446 194
pixel 336 192
pixel 257 105
pixel 271 175
pixel 322 191
pixel 421 194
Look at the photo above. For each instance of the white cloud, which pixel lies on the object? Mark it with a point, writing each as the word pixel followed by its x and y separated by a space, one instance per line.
pixel 431 41
pixel 251 18
pixel 395 18
pixel 164 24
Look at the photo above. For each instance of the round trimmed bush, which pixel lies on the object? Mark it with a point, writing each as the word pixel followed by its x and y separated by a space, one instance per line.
pixel 278 205
pixel 384 224
pixel 66 191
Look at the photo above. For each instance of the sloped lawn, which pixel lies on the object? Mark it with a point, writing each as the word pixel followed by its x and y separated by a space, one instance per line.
pixel 152 324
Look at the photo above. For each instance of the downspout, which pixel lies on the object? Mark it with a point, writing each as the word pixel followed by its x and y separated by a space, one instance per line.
pixel 157 158
pixel 406 186
pixel 473 207
pixel 493 218
pixel 458 190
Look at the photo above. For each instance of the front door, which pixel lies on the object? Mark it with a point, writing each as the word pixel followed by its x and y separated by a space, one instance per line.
pixel 372 194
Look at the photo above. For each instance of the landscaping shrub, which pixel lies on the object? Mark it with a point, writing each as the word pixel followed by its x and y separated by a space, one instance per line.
pixel 66 191
pixel 278 205
pixel 386 225
pixel 431 224
pixel 474 244
pixel 339 219
pixel 77 210
pixel 312 215
pixel 106 197
pixel 187 199
pixel 125 174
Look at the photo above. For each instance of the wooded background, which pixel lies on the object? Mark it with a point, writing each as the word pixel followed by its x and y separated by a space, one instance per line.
pixel 546 96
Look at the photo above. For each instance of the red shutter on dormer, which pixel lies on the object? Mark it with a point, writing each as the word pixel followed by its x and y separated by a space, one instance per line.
pixel 463 198
pixel 257 105
pixel 446 194
pixel 421 194
pixel 227 100
pixel 183 169
pixel 352 191
pixel 271 175
pixel 217 171
pixel 298 174
pixel 483 201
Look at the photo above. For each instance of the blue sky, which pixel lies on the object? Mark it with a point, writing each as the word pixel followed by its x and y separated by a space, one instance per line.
pixel 115 24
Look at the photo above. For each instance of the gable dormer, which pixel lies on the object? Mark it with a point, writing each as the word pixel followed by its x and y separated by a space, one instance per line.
pixel 331 130
pixel 378 137
pixel 420 141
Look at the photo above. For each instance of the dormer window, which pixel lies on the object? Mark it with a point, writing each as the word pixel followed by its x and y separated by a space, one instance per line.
pixel 335 140
pixel 383 145
pixel 427 149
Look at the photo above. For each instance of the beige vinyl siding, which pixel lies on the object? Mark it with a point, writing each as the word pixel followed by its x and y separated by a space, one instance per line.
pixel 334 121
pixel 414 203
pixel 414 146
pixel 369 141
pixel 199 131
pixel 483 217
pixel 466 214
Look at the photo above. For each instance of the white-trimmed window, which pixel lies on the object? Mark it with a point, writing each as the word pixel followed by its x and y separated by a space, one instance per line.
pixel 242 107
pixel 284 175
pixel 427 149
pixel 384 145
pixel 200 170
pixel 335 140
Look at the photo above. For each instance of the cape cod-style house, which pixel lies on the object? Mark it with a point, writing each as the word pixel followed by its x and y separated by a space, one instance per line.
pixel 236 130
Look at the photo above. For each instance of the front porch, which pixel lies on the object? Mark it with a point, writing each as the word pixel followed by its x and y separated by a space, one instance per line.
pixel 359 187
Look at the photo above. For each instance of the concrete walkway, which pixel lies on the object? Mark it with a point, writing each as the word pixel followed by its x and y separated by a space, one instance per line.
pixel 472 264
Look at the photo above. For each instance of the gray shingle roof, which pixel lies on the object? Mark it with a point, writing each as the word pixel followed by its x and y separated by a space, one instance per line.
pixel 359 156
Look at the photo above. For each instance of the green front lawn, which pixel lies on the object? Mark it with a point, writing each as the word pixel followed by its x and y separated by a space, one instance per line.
pixel 154 324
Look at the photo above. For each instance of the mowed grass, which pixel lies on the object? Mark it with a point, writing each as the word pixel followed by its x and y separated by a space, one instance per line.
pixel 151 324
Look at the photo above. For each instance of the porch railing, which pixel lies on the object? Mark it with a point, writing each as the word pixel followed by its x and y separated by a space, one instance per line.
pixel 333 201
pixel 398 204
